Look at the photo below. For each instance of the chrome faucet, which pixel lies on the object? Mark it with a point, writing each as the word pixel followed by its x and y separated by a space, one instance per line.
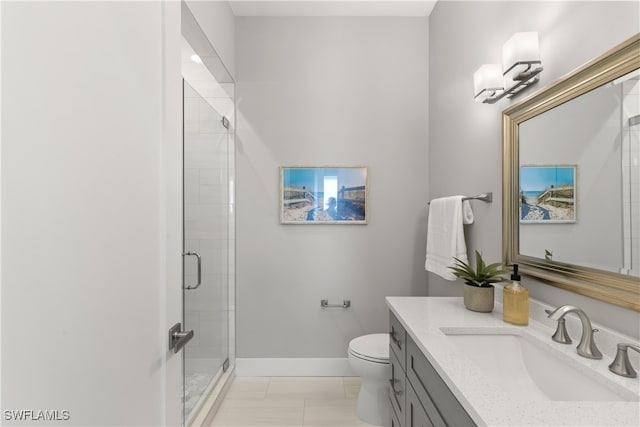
pixel 621 364
pixel 587 347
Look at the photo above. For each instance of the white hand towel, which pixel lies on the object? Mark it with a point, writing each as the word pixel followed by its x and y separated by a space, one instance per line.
pixel 445 234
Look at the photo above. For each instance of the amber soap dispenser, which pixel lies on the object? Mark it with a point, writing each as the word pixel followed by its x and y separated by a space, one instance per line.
pixel 515 301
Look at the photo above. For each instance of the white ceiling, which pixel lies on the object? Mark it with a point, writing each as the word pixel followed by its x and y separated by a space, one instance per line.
pixel 332 8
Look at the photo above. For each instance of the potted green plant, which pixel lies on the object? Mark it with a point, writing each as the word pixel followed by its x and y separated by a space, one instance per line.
pixel 478 288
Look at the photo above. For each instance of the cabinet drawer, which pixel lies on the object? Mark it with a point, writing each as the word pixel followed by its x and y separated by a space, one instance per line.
pixel 416 415
pixel 439 402
pixel 398 339
pixel 397 386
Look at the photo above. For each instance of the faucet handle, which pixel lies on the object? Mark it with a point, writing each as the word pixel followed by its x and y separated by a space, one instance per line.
pixel 560 335
pixel 621 364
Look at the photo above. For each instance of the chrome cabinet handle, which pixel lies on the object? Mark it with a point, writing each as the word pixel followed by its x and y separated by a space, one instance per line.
pixel 197 255
pixel 393 388
pixel 178 338
pixel 397 342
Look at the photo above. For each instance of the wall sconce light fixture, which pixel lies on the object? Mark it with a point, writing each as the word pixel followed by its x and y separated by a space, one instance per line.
pixel 520 68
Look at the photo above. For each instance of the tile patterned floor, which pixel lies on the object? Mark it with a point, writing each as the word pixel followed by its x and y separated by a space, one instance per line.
pixel 194 385
pixel 290 402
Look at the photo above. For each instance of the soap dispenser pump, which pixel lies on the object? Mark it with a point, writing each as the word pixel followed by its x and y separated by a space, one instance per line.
pixel 515 301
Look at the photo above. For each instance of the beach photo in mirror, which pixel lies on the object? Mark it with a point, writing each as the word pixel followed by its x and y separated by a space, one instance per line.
pixel 548 194
pixel 323 195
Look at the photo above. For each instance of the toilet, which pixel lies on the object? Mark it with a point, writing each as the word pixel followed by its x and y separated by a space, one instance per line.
pixel 369 359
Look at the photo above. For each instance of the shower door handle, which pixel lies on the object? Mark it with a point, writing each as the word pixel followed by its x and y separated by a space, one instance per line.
pixel 178 338
pixel 199 282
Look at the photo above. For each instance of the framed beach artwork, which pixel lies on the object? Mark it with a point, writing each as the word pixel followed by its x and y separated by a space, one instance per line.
pixel 324 195
pixel 548 194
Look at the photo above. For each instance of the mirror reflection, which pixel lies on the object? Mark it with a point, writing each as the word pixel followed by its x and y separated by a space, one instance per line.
pixel 571 180
pixel 579 180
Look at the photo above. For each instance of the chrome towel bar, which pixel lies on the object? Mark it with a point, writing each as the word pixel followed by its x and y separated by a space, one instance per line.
pixel 485 197
pixel 325 304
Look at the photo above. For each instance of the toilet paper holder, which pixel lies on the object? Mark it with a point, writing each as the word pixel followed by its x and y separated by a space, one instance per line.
pixel 325 304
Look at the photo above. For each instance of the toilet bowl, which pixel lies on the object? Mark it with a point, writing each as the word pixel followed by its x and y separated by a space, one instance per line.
pixel 369 359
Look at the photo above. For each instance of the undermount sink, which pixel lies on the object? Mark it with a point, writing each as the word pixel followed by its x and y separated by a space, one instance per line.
pixel 527 368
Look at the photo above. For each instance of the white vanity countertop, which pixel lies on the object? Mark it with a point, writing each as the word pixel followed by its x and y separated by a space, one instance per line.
pixel 485 401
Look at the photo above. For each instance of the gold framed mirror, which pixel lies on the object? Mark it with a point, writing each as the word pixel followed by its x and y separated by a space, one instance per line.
pixel 575 232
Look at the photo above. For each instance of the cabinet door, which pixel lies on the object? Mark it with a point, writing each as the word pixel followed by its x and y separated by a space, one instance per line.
pixel 440 403
pixel 416 415
pixel 395 421
pixel 397 385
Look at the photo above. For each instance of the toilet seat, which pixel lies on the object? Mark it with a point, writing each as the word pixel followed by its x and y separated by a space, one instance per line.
pixel 371 348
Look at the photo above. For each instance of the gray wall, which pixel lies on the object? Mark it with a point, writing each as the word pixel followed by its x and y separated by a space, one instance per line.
pixel 465 137
pixel 317 92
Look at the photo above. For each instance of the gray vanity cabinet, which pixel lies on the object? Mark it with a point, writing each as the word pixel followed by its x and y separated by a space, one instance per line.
pixel 398 339
pixel 394 420
pixel 397 359
pixel 439 402
pixel 419 397
pixel 397 389
pixel 416 416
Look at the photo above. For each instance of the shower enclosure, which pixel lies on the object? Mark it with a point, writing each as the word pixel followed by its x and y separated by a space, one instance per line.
pixel 630 132
pixel 208 222
pixel 208 244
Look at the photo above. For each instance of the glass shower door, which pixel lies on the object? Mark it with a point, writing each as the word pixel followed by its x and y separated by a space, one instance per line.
pixel 630 132
pixel 206 247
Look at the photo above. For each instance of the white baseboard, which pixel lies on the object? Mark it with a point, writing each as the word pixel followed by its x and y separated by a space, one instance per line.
pixel 293 367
